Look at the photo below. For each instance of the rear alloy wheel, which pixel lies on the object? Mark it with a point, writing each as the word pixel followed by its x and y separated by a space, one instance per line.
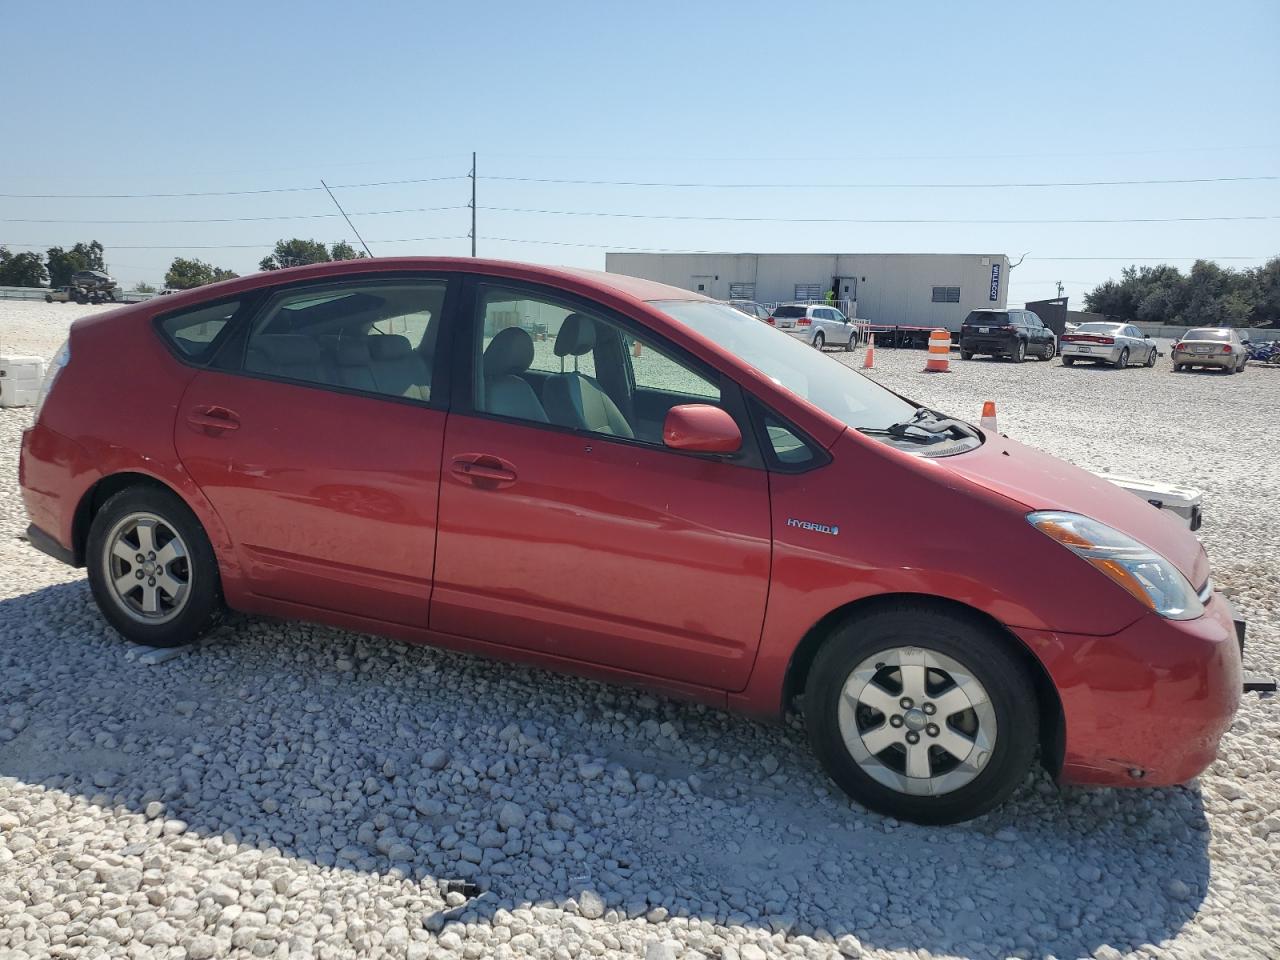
pixel 1019 352
pixel 921 714
pixel 819 341
pixel 151 568
pixel 1122 361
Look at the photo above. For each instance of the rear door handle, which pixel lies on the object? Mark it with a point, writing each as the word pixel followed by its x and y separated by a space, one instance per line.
pixel 219 419
pixel 483 470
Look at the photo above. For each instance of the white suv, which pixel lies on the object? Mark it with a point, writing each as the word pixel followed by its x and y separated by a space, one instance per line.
pixel 816 324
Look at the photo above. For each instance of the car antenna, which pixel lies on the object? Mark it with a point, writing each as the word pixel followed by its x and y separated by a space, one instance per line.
pixel 345 217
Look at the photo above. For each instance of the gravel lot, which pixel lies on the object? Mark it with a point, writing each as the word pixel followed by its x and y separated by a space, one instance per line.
pixel 289 790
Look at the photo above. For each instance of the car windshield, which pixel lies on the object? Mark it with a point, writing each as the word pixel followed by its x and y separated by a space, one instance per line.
pixel 1098 328
pixel 1206 334
pixel 986 318
pixel 823 381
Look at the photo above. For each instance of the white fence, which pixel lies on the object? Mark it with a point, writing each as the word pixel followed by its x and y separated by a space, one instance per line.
pixel 39 293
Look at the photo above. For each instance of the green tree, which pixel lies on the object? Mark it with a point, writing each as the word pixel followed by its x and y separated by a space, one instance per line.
pixel 345 251
pixel 143 287
pixel 183 274
pixel 295 253
pixel 21 269
pixel 1266 304
pixel 1216 297
pixel 63 263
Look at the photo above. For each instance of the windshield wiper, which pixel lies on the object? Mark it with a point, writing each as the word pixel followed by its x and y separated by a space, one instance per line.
pixel 931 423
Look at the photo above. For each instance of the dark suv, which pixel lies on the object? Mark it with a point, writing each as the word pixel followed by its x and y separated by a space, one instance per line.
pixel 1006 333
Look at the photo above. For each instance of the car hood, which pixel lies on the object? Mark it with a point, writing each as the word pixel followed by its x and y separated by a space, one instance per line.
pixel 1040 482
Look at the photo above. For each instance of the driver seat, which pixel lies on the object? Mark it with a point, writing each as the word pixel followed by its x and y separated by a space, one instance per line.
pixel 572 399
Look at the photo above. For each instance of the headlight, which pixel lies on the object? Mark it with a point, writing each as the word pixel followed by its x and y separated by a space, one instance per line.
pixel 1151 578
pixel 60 360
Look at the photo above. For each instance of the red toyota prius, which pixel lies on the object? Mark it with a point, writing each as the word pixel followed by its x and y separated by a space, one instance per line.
pixel 614 477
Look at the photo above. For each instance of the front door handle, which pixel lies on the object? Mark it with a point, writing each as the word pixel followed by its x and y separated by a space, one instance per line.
pixel 218 419
pixel 483 469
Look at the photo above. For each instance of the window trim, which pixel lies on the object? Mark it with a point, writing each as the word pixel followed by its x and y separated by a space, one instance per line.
pixel 468 326
pixel 233 350
pixel 759 411
pixel 946 294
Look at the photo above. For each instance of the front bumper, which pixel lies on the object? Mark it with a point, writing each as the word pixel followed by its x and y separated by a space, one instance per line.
pixel 1091 351
pixel 1146 706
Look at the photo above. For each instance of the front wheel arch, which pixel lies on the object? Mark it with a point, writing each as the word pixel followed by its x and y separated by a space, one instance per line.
pixel 1052 731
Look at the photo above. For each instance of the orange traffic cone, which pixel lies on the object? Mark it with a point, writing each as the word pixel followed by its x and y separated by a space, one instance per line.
pixel 988 421
pixel 869 358
pixel 939 353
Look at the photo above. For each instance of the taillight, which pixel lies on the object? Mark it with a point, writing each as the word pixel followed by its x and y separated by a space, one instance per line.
pixel 1107 340
pixel 1178 345
pixel 769 321
pixel 1067 338
pixel 804 322
pixel 1226 348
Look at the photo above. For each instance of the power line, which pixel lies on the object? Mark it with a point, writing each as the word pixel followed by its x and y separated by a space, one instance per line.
pixel 874 186
pixel 665 216
pixel 224 246
pixel 221 193
pixel 295 216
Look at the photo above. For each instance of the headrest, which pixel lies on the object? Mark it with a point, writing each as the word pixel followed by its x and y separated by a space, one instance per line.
pixel 285 349
pixel 389 346
pixel 351 351
pixel 577 336
pixel 511 351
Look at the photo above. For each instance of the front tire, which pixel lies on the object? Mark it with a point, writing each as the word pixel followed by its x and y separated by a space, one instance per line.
pixel 1068 361
pixel 151 568
pixel 1151 358
pixel 921 714
pixel 1051 348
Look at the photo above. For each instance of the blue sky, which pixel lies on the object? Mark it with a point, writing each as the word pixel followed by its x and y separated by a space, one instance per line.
pixel 179 98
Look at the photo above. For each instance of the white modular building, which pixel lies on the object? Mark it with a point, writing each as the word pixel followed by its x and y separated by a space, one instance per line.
pixel 908 290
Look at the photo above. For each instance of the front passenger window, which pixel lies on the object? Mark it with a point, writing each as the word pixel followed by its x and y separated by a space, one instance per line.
pixel 544 361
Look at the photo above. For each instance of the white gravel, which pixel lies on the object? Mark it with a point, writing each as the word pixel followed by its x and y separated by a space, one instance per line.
pixel 289 790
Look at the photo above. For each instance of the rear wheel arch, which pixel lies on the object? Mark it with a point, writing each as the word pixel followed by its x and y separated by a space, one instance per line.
pixel 1052 732
pixel 103 490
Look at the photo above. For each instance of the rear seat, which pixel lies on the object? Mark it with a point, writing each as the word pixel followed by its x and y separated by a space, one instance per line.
pixel 379 363
pixel 398 369
pixel 292 355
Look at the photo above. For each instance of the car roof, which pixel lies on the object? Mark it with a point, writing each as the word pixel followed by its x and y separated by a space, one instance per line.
pixel 585 280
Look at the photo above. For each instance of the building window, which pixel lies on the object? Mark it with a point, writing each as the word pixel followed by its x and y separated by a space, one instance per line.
pixel 742 291
pixel 808 291
pixel 946 294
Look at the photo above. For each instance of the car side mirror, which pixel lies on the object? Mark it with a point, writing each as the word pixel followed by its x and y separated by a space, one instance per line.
pixel 701 428
pixel 1146 336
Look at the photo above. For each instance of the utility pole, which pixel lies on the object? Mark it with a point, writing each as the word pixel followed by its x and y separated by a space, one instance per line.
pixel 1059 288
pixel 473 202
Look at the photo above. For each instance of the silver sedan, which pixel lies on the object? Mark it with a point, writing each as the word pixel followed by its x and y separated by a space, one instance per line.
pixel 1210 347
pixel 1117 344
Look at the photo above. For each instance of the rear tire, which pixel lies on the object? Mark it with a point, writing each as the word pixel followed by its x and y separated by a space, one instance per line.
pixel 966 354
pixel 1019 352
pixel 819 341
pixel 1068 361
pixel 1122 361
pixel 176 577
pixel 898 655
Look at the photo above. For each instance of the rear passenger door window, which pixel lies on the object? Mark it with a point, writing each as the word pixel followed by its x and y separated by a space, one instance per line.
pixel 374 337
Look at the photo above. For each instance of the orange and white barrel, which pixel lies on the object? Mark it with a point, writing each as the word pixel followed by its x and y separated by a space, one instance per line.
pixel 939 353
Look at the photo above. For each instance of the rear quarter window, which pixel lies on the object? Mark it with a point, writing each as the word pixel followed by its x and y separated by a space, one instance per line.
pixel 194 333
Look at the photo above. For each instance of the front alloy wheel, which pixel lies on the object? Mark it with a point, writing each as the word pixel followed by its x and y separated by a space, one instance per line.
pixel 922 712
